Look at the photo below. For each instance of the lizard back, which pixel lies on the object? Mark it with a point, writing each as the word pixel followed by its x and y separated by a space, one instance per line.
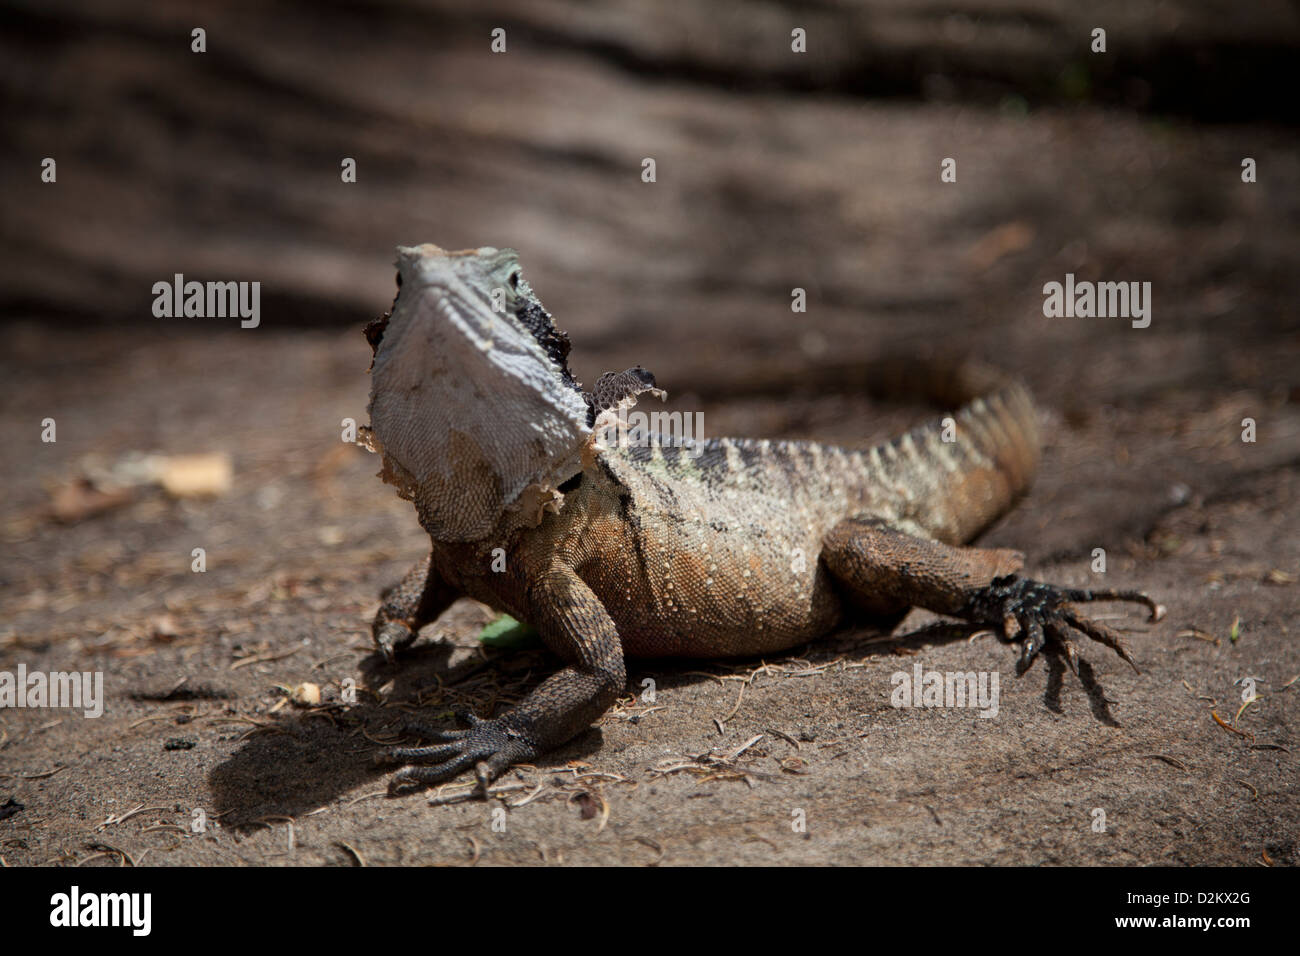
pixel 731 536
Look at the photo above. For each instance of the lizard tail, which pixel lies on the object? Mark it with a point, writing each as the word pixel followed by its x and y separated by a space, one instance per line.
pixel 957 476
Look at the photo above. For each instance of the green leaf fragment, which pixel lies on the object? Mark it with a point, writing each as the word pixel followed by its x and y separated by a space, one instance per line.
pixel 506 632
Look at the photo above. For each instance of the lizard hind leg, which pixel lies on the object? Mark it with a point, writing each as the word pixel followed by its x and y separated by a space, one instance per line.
pixel 880 565
pixel 885 568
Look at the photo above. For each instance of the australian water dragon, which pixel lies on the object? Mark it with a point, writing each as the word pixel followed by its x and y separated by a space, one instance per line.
pixel 540 505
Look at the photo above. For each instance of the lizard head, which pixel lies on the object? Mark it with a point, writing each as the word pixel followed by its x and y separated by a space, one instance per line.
pixel 471 401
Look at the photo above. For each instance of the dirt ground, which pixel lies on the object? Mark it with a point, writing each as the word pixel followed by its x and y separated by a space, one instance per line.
pixel 201 758
pixel 298 550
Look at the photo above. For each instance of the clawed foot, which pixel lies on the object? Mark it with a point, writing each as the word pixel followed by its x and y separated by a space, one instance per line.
pixel 489 746
pixel 1038 612
pixel 391 638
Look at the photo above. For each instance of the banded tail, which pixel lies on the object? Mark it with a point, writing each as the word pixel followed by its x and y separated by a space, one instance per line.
pixel 954 490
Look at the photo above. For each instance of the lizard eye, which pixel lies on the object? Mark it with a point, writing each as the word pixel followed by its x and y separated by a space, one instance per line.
pixel 514 279
pixel 399 280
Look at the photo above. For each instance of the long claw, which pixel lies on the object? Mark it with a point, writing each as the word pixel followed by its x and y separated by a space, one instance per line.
pixel 1102 635
pixel 411 777
pixel 1112 594
pixel 1033 643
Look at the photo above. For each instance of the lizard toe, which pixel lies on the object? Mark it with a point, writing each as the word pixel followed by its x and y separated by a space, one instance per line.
pixel 1102 634
pixel 425 755
pixel 1084 595
pixel 485 771
pixel 489 746
pixel 1030 646
pixel 410 779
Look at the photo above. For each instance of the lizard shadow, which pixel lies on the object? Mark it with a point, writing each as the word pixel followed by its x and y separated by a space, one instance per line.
pixel 863 638
pixel 945 632
pixel 303 760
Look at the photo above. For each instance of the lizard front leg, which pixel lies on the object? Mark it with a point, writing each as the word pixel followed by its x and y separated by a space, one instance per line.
pixel 888 568
pixel 410 604
pixel 572 622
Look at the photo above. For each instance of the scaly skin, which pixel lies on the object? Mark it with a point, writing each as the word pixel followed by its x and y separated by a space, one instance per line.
pixel 617 549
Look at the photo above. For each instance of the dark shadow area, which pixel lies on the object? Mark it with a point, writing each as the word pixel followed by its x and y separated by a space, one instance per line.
pixel 1050 657
pixel 306 761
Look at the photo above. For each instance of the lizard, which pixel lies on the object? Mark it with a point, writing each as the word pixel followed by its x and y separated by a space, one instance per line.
pixel 539 504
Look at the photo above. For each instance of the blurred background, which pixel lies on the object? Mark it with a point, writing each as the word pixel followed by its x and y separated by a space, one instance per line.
pixel 775 170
